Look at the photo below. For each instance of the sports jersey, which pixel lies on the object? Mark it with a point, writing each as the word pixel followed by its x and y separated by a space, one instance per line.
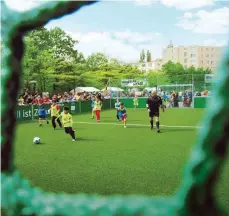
pixel 55 110
pixel 135 101
pixel 122 112
pixel 92 103
pixel 41 110
pixel 154 102
pixel 66 119
pixel 117 105
pixel 97 105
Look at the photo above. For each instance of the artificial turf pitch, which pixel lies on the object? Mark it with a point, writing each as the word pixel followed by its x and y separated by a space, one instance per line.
pixel 109 159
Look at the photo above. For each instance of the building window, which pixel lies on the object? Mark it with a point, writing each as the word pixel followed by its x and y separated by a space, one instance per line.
pixel 185 53
pixel 185 60
pixel 207 55
pixel 211 62
pixel 193 55
pixel 202 62
pixel 207 49
pixel 212 55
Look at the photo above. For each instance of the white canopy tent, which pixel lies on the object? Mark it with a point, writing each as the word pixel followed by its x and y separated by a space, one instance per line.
pixel 85 89
pixel 113 89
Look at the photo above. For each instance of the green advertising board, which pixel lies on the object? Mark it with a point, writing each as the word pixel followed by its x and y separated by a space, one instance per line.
pixel 24 113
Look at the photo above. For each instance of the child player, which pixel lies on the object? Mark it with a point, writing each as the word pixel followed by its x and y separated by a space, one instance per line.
pixel 55 109
pixel 163 106
pixel 42 114
pixel 135 100
pixel 123 114
pixel 97 108
pixel 117 106
pixel 92 107
pixel 67 123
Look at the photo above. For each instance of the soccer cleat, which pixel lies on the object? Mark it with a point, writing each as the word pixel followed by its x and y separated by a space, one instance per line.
pixel 125 126
pixel 151 127
pixel 73 140
pixel 92 117
pixel 158 131
pixel 47 122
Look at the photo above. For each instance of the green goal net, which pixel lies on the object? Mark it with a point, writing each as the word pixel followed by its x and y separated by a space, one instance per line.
pixel 195 195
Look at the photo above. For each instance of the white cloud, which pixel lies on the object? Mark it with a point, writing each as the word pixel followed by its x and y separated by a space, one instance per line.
pixel 121 45
pixel 178 4
pixel 22 5
pixel 214 42
pixel 208 22
pixel 186 4
pixel 188 15
pixel 144 2
pixel 136 37
pixel 103 42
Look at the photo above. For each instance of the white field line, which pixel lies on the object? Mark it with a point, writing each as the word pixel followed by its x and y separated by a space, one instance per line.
pixel 144 125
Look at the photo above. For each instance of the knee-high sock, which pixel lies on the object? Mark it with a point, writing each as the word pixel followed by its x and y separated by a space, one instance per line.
pixel 151 123
pixel 157 124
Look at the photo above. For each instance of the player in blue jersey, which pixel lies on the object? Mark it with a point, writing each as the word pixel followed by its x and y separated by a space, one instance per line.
pixel 122 114
pixel 92 107
pixel 117 106
pixel 42 114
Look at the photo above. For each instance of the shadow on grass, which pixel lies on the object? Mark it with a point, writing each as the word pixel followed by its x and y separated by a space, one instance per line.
pixel 167 130
pixel 87 139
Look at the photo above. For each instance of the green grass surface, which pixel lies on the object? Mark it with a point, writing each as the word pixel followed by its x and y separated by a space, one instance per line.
pixel 108 159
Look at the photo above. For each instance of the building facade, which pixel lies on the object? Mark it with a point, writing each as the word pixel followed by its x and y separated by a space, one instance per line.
pixel 197 56
pixel 145 67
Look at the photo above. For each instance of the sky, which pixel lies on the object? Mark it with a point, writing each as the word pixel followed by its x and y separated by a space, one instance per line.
pixel 121 29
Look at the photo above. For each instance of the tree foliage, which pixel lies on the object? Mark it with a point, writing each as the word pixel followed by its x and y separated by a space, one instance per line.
pixel 51 59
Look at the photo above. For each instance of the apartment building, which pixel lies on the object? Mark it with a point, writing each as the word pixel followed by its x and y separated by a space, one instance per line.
pixel 145 67
pixel 198 56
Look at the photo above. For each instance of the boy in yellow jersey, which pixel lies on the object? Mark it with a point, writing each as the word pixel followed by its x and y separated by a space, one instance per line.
pixel 67 123
pixel 55 109
pixel 97 108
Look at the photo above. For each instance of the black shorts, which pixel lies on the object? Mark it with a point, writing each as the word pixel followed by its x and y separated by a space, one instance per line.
pixel 68 130
pixel 154 113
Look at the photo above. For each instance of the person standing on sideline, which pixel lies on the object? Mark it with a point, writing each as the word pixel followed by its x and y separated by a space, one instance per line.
pixel 135 100
pixel 55 109
pixel 97 108
pixel 92 106
pixel 153 106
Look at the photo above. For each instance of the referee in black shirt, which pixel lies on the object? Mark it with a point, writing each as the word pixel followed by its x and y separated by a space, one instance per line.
pixel 153 105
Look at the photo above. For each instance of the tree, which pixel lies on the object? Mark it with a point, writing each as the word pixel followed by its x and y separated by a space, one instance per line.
pixel 96 61
pixel 142 56
pixel 60 54
pixel 148 56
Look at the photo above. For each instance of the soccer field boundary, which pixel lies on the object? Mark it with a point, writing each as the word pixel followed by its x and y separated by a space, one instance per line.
pixel 142 125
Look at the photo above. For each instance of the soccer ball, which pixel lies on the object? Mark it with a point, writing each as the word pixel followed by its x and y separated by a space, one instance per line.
pixel 36 140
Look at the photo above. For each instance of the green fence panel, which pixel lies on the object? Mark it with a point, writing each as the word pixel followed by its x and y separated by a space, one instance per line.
pixel 200 102
pixel 106 104
pixel 24 113
pixel 129 102
pixel 85 106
